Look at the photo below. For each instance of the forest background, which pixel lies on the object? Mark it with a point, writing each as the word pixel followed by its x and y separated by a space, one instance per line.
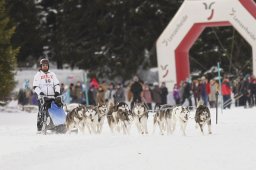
pixel 105 37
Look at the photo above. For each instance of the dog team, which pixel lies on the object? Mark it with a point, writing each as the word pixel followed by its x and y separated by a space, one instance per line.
pixel 120 118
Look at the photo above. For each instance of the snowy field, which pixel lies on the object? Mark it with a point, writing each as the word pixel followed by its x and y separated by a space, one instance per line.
pixel 230 147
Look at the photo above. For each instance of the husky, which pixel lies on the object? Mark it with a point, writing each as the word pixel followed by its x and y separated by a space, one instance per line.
pixel 181 114
pixel 90 118
pixel 140 114
pixel 203 116
pixel 119 117
pixel 102 112
pixel 162 118
pixel 112 121
pixel 75 118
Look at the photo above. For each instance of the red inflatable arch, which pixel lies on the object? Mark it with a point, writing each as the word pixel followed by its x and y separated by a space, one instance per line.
pixel 192 18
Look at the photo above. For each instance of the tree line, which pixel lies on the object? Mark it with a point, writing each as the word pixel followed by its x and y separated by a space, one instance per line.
pixel 108 38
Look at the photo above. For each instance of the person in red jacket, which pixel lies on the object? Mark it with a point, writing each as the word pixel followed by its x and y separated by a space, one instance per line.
pixel 226 93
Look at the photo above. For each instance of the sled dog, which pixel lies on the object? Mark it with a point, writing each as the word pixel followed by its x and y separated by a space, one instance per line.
pixel 102 112
pixel 180 114
pixel 90 118
pixel 119 117
pixel 75 118
pixel 140 114
pixel 162 119
pixel 202 117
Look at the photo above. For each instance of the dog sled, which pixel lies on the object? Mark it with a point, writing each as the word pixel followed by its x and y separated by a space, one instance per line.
pixel 52 117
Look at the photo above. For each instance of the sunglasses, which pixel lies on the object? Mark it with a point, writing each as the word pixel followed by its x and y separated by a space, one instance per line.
pixel 44 64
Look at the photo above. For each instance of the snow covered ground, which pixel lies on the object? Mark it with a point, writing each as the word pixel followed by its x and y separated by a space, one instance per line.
pixel 230 147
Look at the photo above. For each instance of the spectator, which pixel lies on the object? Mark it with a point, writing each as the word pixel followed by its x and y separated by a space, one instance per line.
pixel 196 91
pixel 100 99
pixel 205 90
pixel 22 97
pixel 176 94
pixel 78 93
pixel 109 95
pixel 119 95
pixel 72 92
pixel 235 90
pixel 91 95
pixel 213 91
pixel 187 93
pixel 245 90
pixel 156 95
pixel 136 90
pixel 164 93
pixel 94 83
pixel 147 96
pixel 253 90
pixel 226 93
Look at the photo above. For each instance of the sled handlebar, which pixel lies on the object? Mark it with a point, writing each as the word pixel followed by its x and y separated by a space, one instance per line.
pixel 48 98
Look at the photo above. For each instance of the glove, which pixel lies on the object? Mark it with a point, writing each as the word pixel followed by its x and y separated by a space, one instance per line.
pixel 41 93
pixel 56 94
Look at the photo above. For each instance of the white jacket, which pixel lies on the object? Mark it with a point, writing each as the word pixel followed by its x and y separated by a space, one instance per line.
pixel 46 83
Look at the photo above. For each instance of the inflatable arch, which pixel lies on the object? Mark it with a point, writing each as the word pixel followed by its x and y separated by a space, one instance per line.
pixel 192 18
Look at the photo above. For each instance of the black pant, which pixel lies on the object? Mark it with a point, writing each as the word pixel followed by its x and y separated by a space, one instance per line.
pixel 40 118
pixel 189 100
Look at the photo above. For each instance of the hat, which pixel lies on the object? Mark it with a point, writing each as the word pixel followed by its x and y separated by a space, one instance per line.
pixel 44 61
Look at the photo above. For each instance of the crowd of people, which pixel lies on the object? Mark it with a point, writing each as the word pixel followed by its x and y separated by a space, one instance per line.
pixel 99 93
pixel 241 91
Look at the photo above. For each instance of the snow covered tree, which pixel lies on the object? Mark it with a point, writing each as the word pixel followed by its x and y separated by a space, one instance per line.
pixel 7 54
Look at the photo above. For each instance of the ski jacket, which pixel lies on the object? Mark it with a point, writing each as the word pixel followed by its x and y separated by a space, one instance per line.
pixel 225 87
pixel 46 83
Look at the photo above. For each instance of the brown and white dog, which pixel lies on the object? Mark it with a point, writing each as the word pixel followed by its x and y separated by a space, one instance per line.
pixel 140 114
pixel 102 112
pixel 202 117
pixel 119 117
pixel 180 114
pixel 75 119
pixel 162 118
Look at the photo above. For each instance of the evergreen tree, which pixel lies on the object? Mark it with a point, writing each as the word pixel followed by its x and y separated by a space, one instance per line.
pixel 7 54
pixel 25 16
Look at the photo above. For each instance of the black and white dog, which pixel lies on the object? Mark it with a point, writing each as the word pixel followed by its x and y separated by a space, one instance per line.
pixel 202 117
pixel 119 117
pixel 162 118
pixel 102 112
pixel 140 114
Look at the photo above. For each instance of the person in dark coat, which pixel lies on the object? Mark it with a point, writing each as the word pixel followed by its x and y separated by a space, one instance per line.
pixel 22 100
pixel 91 95
pixel 136 90
pixel 245 90
pixel 156 95
pixel 187 93
pixel 164 93
pixel 119 94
